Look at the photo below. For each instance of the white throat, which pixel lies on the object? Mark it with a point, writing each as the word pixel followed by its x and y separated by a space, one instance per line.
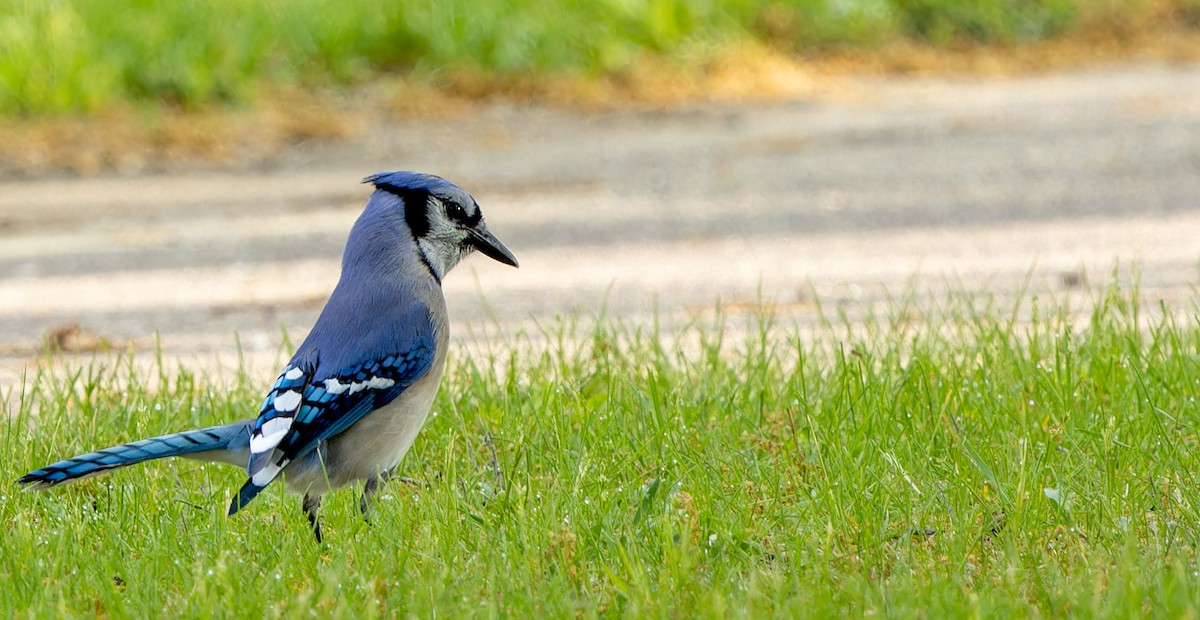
pixel 440 257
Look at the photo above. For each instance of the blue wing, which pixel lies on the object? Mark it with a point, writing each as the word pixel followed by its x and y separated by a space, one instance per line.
pixel 306 407
pixel 335 403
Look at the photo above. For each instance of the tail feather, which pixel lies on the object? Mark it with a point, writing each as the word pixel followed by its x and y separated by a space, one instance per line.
pixel 225 443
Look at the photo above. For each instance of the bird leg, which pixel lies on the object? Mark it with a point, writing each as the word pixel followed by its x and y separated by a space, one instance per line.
pixel 373 486
pixel 312 504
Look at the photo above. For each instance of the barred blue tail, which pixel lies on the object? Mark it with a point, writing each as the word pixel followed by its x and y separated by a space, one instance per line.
pixel 225 444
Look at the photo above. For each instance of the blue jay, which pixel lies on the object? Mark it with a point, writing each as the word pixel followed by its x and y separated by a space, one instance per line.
pixel 349 404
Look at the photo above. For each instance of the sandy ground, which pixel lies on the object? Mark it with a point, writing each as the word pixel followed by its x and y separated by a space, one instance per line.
pixel 881 187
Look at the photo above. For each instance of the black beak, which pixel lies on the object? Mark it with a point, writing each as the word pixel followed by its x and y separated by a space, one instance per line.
pixel 486 242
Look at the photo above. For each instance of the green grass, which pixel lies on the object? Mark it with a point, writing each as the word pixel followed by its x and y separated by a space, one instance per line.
pixel 946 461
pixel 84 56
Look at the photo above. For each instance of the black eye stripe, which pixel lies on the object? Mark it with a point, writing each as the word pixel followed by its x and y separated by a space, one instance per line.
pixel 458 213
pixel 415 211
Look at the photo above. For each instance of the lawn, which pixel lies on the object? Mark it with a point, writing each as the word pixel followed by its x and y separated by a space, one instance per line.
pixel 948 458
pixel 89 56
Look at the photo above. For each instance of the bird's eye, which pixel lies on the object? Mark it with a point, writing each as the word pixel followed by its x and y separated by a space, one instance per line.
pixel 455 212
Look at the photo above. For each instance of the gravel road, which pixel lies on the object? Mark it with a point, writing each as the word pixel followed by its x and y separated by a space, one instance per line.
pixel 877 187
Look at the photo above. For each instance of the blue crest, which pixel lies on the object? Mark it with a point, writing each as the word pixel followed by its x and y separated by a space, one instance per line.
pixel 406 180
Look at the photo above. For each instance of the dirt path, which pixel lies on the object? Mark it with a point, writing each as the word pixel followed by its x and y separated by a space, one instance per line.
pixel 981 185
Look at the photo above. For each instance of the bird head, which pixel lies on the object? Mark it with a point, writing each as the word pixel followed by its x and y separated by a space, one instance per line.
pixel 444 219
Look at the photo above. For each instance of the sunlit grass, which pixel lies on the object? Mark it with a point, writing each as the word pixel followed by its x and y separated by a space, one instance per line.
pixel 941 461
pixel 87 56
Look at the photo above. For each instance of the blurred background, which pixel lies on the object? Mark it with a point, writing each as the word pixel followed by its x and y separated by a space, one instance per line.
pixel 182 175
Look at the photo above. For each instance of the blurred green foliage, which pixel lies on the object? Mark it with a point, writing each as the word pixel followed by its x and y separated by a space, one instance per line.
pixel 941 21
pixel 68 56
